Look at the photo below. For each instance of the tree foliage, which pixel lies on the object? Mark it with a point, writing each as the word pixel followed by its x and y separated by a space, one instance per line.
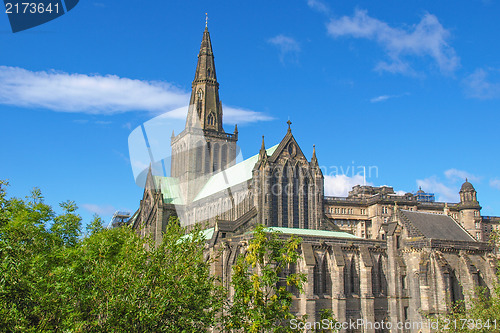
pixel 262 302
pixel 56 277
pixel 53 278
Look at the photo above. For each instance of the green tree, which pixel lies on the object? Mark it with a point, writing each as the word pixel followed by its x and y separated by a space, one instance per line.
pixel 262 302
pixel 53 278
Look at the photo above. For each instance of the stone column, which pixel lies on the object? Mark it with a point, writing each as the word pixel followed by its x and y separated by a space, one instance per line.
pixel 366 292
pixel 307 300
pixel 337 275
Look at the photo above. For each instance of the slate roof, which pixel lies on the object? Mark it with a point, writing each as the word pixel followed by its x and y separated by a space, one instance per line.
pixel 436 226
pixel 231 226
pixel 312 232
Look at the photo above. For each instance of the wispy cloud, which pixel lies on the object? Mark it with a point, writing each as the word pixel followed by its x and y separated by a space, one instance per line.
pixel 99 209
pixel 448 189
pixel 383 98
pixel 495 183
pixel 319 6
pixel 479 85
pixel 288 47
pixel 97 94
pixel 234 115
pixel 443 191
pixel 427 38
pixel 380 98
pixel 340 185
pixel 456 175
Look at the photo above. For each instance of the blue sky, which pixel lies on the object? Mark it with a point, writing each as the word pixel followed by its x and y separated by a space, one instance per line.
pixel 410 88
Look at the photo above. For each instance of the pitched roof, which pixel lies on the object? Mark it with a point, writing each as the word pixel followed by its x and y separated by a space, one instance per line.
pixel 312 232
pixel 232 176
pixel 220 181
pixel 436 226
pixel 205 234
pixel 169 187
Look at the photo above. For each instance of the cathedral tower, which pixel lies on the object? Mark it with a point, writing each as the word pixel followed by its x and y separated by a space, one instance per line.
pixel 203 147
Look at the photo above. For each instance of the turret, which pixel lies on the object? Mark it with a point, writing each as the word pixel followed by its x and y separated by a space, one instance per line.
pixel 469 208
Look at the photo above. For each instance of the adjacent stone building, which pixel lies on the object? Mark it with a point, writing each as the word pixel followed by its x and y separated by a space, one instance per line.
pixel 374 255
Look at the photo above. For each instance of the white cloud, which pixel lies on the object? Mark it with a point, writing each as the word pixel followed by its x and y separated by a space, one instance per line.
pixel 100 209
pixel 239 116
pixel 380 98
pixel 447 190
pixel 232 115
pixel 478 85
pixel 495 183
pixel 459 175
pixel 383 98
pixel 397 66
pixel 319 6
pixel 340 185
pixel 286 45
pixel 427 38
pixel 443 192
pixel 96 94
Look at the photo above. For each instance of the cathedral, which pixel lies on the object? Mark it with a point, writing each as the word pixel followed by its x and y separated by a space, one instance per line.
pixel 374 255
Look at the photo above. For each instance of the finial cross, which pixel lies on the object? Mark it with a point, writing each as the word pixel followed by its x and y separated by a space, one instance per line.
pixel 289 123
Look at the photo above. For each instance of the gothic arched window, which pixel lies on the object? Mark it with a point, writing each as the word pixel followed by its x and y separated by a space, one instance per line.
pixel 354 277
pixel 207 158
pixel 199 157
pixel 223 157
pixel 456 291
pixel 216 157
pixel 305 191
pixel 284 195
pixel 295 198
pixel 200 93
pixel 275 194
pixel 211 119
pixel 327 279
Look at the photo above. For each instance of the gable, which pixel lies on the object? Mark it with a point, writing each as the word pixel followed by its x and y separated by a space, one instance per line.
pixel 288 149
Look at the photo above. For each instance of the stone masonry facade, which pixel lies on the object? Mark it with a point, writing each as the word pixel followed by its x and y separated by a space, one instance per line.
pixel 373 255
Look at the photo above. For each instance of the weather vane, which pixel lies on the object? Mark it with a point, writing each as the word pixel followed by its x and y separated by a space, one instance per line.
pixel 206 20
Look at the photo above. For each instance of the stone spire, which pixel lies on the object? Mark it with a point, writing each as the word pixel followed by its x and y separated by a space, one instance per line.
pixel 262 152
pixel 204 105
pixel 314 160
